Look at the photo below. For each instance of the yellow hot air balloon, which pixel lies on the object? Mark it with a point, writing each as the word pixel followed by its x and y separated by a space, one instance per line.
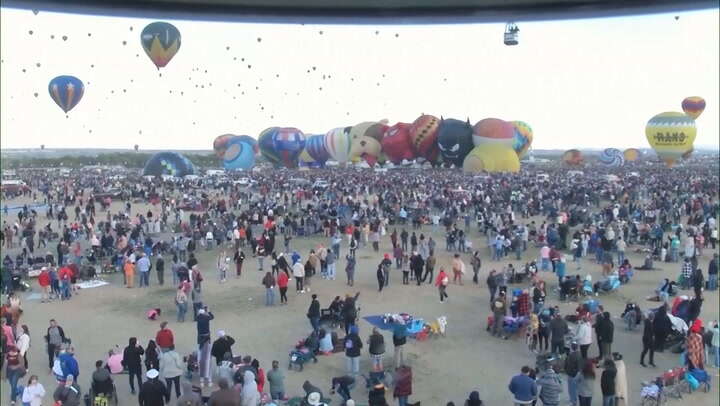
pixel 492 158
pixel 671 134
pixel 631 154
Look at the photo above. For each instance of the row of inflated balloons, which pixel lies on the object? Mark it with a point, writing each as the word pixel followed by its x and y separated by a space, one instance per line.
pixel 160 40
pixel 491 144
pixel 670 134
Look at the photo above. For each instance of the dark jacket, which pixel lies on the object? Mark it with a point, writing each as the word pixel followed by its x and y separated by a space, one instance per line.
pixel 203 323
pixel 573 363
pixel 314 309
pixel 68 396
pixel 607 382
pixel 152 393
pixel 558 329
pixel 605 330
pixel 648 337
pixel 376 397
pixel 221 346
pixel 132 358
pixel 224 397
pixel 376 344
pixel 353 345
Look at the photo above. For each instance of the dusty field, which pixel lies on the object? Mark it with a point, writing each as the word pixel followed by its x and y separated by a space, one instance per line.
pixel 445 369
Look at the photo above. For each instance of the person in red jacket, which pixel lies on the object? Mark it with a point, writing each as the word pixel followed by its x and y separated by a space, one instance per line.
pixel 282 282
pixel 164 337
pixel 403 384
pixel 44 282
pixel 441 282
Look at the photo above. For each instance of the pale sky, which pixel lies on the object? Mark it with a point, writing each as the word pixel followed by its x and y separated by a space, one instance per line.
pixel 579 84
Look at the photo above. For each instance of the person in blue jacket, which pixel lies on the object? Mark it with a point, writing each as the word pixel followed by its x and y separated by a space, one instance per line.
pixel 523 387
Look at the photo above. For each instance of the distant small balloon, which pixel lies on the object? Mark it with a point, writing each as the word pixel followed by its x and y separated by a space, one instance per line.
pixel 64 37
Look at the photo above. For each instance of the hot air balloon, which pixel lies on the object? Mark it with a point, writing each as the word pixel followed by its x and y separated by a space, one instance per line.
pixel 612 157
pixel 168 163
pixel 240 152
pixel 631 154
pixel 693 106
pixel 396 143
pixel 66 91
pixel 455 140
pixel 315 148
pixel 42 146
pixel 288 143
pixel 136 147
pixel 161 41
pixel 491 158
pixel 423 137
pixel 220 144
pixel 267 147
pixel 671 134
pixel 365 141
pixel 493 131
pixel 573 157
pixel 522 137
pixel 338 144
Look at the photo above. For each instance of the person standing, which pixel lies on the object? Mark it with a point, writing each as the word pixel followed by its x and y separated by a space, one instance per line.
pixel 171 368
pixel 353 345
pixel 239 258
pixel 376 348
pixel 380 275
pixel 330 262
pixel 442 282
pixel 299 275
pixel 476 263
pixel 14 370
pixel 523 388
pixel 276 379
pixel 34 392
pixel 350 268
pixel 143 267
pixel 429 267
pixel 399 339
pixel 282 283
pixel 713 272
pixel 607 382
pixel 607 330
pixel 492 284
pixel 203 340
pixel 269 283
pixel 386 264
pixel 23 344
pixel 132 361
pixel 153 392
pixel 222 346
pixel 586 383
pixel 458 268
pixel 416 266
pixel 583 336
pixel 550 388
pixel 574 364
pixel 499 309
pixel 648 340
pixel 403 384
pixel 164 338
pixel 313 313
pixel 129 270
pixel 160 269
pixel 558 330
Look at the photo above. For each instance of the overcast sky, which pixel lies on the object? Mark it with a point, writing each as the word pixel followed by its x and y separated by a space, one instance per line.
pixel 584 83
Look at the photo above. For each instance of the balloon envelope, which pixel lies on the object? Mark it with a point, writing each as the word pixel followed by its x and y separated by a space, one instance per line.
pixel 631 154
pixel 492 158
pixel 396 143
pixel 161 41
pixel 66 91
pixel 338 144
pixel 671 134
pixel 493 131
pixel 168 163
pixel 693 106
pixel 267 147
pixel 455 140
pixel 315 148
pixel 612 157
pixel 423 137
pixel 366 140
pixel 288 143
pixel 220 144
pixel 522 137
pixel 240 153
pixel 573 157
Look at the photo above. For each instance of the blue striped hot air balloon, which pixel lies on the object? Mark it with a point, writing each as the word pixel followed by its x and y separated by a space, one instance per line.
pixel 66 91
pixel 315 147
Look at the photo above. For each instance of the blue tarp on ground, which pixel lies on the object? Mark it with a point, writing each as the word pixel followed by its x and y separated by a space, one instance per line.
pixel 377 321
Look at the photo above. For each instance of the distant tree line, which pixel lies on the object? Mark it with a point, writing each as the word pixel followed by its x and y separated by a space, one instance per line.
pixel 127 159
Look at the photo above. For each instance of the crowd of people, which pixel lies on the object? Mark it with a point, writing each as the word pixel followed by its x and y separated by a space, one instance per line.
pixel 585 222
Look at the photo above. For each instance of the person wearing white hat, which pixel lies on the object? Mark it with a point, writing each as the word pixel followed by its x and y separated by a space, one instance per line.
pixel 152 392
pixel 314 399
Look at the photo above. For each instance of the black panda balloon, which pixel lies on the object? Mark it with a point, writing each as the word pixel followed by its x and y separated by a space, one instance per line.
pixel 455 140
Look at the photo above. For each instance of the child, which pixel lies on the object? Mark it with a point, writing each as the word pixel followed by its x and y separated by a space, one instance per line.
pixel 153 314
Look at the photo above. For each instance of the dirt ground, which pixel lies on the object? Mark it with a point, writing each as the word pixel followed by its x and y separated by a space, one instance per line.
pixel 444 369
